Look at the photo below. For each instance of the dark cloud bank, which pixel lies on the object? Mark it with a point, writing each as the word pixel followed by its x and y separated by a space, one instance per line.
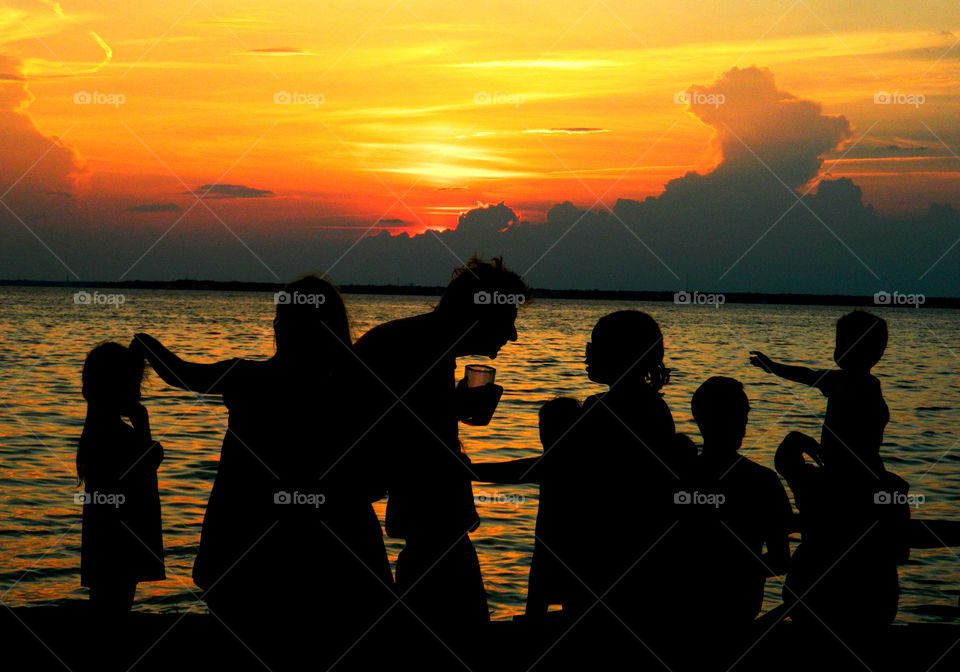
pixel 739 227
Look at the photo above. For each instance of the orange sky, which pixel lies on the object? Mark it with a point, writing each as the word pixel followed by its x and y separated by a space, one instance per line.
pixel 389 116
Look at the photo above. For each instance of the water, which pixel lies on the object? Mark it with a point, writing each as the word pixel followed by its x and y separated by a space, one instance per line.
pixel 44 336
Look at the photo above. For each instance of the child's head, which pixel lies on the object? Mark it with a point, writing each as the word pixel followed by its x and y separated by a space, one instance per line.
pixel 720 408
pixel 627 345
pixel 112 375
pixel 556 418
pixel 861 340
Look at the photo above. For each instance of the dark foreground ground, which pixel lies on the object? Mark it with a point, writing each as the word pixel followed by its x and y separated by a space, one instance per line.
pixel 60 638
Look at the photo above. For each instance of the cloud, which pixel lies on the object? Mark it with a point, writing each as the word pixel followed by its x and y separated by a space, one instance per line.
pixel 746 225
pixel 230 191
pixel 758 128
pixel 30 161
pixel 154 207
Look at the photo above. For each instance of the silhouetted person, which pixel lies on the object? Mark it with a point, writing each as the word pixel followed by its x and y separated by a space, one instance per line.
pixel 855 531
pixel 414 406
pixel 737 508
pixel 856 412
pixel 612 472
pixel 556 470
pixel 289 529
pixel 629 549
pixel 122 537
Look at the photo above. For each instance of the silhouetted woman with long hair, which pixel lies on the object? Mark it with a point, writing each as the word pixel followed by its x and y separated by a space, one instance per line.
pixel 289 528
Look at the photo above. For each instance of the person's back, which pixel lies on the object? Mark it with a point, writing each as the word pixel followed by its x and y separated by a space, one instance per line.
pixel 550 574
pixel 628 470
pixel 854 525
pixel 736 508
pixel 856 413
pixel 743 506
pixel 413 407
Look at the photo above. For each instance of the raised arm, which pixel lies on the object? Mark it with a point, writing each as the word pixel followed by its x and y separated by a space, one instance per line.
pixel 200 378
pixel 511 472
pixel 798 374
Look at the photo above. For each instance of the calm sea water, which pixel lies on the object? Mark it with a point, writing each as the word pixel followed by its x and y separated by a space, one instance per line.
pixel 44 336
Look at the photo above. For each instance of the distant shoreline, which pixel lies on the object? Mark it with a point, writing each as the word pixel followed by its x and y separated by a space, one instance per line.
pixel 416 290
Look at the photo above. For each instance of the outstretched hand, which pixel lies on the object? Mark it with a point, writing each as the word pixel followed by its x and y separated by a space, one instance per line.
pixel 761 361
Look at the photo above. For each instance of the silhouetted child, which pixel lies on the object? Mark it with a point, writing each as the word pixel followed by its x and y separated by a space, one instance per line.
pixel 555 470
pixel 738 507
pixel 122 538
pixel 856 412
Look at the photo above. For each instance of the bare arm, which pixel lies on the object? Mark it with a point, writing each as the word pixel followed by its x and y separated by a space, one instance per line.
pixel 201 378
pixel 510 472
pixel 798 374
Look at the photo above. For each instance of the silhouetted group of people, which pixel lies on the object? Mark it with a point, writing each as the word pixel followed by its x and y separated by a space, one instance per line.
pixel 635 521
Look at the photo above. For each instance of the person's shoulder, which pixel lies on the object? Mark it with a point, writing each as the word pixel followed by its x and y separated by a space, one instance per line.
pixel 390 332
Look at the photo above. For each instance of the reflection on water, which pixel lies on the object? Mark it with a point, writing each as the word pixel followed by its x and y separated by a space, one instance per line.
pixel 44 336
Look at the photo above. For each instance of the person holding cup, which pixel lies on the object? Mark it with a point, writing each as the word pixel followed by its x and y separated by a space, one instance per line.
pixel 413 405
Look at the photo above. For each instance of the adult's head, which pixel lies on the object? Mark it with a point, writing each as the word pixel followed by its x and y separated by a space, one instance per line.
pixel 861 341
pixel 720 409
pixel 481 303
pixel 311 320
pixel 627 346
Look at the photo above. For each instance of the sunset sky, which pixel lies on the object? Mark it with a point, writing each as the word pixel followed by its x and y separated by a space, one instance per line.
pixel 352 116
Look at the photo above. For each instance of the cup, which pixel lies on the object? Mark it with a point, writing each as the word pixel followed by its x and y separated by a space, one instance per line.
pixel 479 374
